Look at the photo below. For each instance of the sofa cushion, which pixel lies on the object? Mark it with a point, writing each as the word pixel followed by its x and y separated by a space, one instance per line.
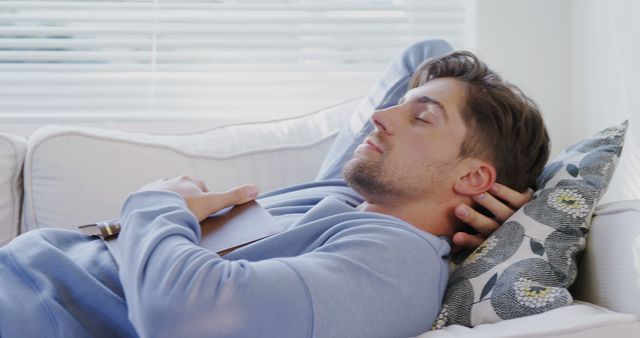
pixel 526 266
pixel 609 272
pixel 77 175
pixel 580 318
pixel 12 152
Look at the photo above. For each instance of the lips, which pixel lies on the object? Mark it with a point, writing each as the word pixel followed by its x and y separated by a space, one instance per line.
pixel 373 145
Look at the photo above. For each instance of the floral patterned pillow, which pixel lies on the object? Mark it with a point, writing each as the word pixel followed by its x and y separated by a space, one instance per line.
pixel 526 266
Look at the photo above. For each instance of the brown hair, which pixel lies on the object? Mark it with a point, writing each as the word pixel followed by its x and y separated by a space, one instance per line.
pixel 504 126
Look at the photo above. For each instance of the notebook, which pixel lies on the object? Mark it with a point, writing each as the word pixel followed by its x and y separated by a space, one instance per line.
pixel 222 232
pixel 237 226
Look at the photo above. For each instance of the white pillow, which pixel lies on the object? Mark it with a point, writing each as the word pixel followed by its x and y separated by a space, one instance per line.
pixel 12 151
pixel 609 272
pixel 578 318
pixel 76 175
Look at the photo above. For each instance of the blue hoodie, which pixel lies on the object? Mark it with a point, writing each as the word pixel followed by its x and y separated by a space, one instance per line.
pixel 335 272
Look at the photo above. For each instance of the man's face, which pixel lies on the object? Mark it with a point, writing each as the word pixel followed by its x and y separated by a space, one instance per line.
pixel 413 151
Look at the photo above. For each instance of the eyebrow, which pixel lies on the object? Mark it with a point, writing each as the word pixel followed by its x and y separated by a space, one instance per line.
pixel 429 99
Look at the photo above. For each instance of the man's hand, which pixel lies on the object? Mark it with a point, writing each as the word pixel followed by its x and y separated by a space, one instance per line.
pixel 501 201
pixel 200 201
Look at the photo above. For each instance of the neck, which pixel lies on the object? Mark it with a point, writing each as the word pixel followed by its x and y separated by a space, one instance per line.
pixel 435 217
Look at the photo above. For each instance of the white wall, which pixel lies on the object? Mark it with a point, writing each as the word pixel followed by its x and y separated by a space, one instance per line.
pixel 596 95
pixel 606 81
pixel 527 41
pixel 562 53
pixel 579 59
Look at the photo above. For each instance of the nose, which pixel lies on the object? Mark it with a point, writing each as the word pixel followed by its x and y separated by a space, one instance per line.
pixel 383 120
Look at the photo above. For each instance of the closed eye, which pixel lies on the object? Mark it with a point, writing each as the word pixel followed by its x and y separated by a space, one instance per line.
pixel 425 117
pixel 422 120
pixel 440 107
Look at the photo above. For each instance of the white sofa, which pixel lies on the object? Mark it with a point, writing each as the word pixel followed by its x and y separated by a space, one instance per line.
pixel 64 176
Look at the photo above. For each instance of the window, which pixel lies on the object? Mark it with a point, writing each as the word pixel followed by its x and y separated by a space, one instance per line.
pixel 139 60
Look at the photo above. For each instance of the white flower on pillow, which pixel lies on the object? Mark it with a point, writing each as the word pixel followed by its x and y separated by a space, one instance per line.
pixel 569 201
pixel 605 169
pixel 533 294
pixel 442 318
pixel 611 133
pixel 482 250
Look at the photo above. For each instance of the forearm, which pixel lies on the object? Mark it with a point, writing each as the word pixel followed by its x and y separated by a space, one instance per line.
pixel 174 287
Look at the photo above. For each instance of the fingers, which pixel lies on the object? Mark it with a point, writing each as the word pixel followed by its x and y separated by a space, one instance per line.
pixel 501 201
pixel 235 196
pixel 478 221
pixel 512 197
pixel 200 184
pixel 467 241
pixel 243 194
pixel 507 201
pixel 495 206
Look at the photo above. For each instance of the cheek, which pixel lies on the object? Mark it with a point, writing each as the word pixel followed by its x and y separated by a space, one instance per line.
pixel 440 154
pixel 456 137
pixel 435 146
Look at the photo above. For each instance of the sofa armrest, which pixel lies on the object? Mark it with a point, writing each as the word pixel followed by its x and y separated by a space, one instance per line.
pixel 609 271
pixel 12 152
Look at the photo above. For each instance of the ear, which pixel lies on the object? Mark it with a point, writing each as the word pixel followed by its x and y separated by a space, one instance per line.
pixel 476 177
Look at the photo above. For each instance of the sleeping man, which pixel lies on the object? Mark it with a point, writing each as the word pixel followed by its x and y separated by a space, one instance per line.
pixel 363 256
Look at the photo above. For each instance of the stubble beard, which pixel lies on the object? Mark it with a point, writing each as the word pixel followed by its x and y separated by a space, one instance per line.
pixel 370 180
pixel 376 184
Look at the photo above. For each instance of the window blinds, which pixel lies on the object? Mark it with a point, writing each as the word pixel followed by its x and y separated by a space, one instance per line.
pixel 190 59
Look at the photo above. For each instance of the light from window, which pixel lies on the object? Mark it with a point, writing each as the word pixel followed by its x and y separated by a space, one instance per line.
pixel 199 59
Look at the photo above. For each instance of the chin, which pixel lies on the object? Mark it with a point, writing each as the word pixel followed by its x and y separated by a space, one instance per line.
pixel 369 181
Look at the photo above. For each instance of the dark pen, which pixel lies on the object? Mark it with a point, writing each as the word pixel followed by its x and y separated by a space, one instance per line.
pixel 104 229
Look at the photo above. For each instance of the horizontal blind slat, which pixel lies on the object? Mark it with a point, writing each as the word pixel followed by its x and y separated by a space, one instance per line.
pixel 196 17
pixel 131 28
pixel 248 42
pixel 177 78
pixel 227 68
pixel 257 6
pixel 207 57
pixel 196 91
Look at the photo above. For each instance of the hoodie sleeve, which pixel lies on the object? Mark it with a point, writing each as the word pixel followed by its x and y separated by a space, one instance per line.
pixel 359 278
pixel 175 288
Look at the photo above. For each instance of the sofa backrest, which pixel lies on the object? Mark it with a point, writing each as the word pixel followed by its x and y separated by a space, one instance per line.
pixel 77 175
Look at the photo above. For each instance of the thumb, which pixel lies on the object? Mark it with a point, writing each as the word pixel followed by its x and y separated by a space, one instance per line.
pixel 211 202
